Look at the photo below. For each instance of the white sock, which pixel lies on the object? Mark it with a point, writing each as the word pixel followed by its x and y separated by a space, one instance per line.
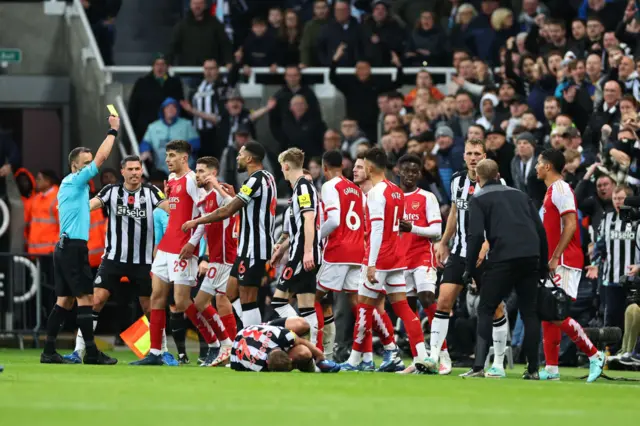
pixel 594 357
pixel 439 328
pixel 80 346
pixel 251 317
pixel 226 342
pixel 155 352
pixel 329 339
pixel 312 319
pixel 500 334
pixel 551 369
pixel 390 347
pixel 215 344
pixel 355 357
pixel 286 311
pixel 237 306
pixel 421 351
pixel 164 341
pixel 367 357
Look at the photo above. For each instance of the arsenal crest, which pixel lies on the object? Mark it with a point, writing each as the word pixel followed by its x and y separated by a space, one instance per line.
pixel 415 205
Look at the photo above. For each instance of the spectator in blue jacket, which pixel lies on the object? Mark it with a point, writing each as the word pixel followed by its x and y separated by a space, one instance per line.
pixel 169 126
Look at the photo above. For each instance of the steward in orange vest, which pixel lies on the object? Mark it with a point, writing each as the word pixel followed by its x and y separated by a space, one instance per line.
pixel 27 187
pixel 44 228
pixel 97 232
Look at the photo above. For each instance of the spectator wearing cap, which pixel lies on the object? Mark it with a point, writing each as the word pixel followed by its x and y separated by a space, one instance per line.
pixel 501 152
pixel 148 94
pixel 488 104
pixel 283 96
pixel 302 130
pixel 198 37
pixel 361 93
pixel 236 114
pixel 517 108
pixel 308 43
pixel 228 160
pixel 427 43
pixel 383 35
pixel 344 30
pixel 450 155
pixel 523 164
pixel 608 112
pixel 465 115
pixel 167 127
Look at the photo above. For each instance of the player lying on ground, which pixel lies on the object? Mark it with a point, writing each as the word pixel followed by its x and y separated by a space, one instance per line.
pixel 275 346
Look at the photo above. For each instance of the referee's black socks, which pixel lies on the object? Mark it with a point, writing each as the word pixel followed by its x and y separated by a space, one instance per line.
pixel 85 324
pixel 54 324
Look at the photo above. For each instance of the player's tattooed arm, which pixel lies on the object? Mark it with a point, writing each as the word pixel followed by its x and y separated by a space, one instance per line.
pixel 283 237
pixel 216 216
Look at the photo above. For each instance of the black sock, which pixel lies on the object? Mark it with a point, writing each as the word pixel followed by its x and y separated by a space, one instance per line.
pixel 179 330
pixel 204 347
pixel 84 320
pixel 54 325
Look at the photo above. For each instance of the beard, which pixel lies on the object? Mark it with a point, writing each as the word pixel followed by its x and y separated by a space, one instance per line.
pixel 242 168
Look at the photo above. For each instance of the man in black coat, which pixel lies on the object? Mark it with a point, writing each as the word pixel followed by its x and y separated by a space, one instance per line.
pixel 302 130
pixel 343 30
pixel 362 92
pixel 148 94
pixel 608 112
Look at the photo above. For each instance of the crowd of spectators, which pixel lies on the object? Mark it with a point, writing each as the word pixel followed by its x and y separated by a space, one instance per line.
pixel 560 74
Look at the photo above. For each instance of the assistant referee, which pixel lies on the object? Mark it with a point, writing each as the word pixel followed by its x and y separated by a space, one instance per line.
pixel 517 258
pixel 72 273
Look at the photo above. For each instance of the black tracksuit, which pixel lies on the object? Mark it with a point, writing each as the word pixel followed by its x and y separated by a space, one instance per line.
pixel 517 252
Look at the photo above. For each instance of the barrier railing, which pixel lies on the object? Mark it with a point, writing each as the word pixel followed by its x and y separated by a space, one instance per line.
pixel 21 280
pixel 317 71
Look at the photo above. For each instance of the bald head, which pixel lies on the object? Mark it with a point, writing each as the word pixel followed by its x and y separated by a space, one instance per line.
pixel 486 170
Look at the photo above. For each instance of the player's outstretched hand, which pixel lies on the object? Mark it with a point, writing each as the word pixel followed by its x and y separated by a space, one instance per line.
pixel 371 274
pixel 228 189
pixel 187 251
pixel 308 262
pixel 188 225
pixel 328 366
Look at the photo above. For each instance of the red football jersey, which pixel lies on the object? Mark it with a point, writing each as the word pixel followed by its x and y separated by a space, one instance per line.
pixel 367 231
pixel 183 206
pixel 558 201
pixel 421 208
pixel 386 203
pixel 345 245
pixel 222 237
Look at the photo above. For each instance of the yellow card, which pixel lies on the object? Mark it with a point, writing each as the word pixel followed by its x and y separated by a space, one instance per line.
pixel 112 110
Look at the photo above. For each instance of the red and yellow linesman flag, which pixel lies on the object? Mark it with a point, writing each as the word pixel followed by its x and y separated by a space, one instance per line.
pixel 138 338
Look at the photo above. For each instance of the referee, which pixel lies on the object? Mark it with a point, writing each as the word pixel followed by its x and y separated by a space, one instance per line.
pixel 517 251
pixel 130 240
pixel 72 273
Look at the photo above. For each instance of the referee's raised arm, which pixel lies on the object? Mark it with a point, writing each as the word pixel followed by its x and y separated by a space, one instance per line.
pixel 107 143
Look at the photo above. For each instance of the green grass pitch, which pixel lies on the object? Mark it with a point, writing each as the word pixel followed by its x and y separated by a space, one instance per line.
pixel 34 394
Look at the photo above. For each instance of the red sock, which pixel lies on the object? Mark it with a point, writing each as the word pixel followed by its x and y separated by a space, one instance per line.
pixel 157 323
pixel 574 330
pixel 362 341
pixel 551 336
pixel 383 326
pixel 431 312
pixel 213 319
pixel 411 324
pixel 196 319
pixel 320 316
pixel 229 322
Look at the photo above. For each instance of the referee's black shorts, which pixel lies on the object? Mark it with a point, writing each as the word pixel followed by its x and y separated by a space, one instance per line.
pixel 248 271
pixel 110 274
pixel 72 273
pixel 454 269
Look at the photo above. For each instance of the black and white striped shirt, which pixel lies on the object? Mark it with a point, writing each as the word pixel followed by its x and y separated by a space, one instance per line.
pixel 462 188
pixel 304 199
pixel 621 239
pixel 253 344
pixel 257 217
pixel 130 229
pixel 207 100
